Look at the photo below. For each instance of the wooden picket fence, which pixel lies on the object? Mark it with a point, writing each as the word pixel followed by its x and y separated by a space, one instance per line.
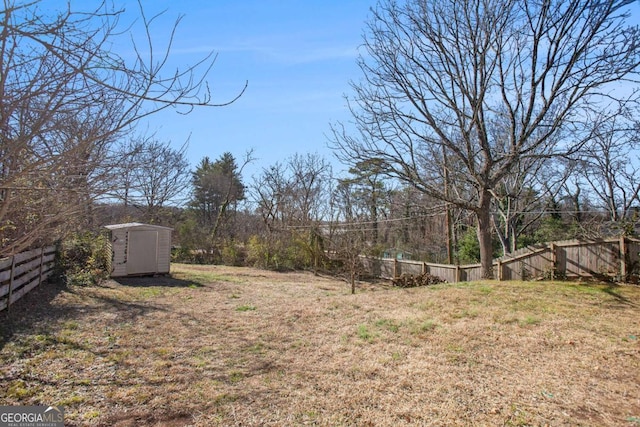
pixel 616 259
pixel 22 272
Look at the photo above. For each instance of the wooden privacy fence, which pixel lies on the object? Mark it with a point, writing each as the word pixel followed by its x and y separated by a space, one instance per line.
pixel 618 259
pixel 22 272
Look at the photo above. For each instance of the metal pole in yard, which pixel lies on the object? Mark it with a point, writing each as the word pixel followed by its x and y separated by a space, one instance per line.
pixel 623 258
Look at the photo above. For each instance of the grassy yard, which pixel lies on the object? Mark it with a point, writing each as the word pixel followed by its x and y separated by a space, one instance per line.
pixel 223 346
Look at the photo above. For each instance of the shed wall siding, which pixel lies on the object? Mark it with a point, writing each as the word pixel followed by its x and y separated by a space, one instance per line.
pixel 119 245
pixel 164 251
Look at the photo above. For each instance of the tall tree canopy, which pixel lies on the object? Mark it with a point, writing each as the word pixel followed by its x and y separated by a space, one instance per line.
pixel 456 95
pixel 216 186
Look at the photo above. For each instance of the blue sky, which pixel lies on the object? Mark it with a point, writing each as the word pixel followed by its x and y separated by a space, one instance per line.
pixel 297 57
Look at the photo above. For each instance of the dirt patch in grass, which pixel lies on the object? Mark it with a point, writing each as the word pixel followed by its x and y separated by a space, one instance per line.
pixel 223 346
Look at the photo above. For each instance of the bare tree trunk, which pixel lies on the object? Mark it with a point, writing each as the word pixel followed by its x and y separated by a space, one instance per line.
pixel 353 281
pixel 483 215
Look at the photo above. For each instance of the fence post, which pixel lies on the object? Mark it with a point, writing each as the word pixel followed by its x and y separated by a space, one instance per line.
pixel 13 269
pixel 554 260
pixel 457 273
pixel 40 270
pixel 499 270
pixel 623 258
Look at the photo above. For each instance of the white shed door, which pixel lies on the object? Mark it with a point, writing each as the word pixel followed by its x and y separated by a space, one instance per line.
pixel 142 252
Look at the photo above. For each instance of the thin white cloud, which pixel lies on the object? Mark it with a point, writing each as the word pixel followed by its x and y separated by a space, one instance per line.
pixel 278 50
pixel 306 55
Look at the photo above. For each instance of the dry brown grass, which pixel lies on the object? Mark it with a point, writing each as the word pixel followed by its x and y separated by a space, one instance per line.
pixel 222 346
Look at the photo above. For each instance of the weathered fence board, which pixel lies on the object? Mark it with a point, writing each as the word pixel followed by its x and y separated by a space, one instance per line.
pixel 4 290
pixel 450 273
pixel 470 273
pixel 617 258
pixel 5 262
pixel 409 267
pixel 5 275
pixel 22 272
pixel 525 264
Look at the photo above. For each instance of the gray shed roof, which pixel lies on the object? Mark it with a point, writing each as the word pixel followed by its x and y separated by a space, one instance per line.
pixel 135 225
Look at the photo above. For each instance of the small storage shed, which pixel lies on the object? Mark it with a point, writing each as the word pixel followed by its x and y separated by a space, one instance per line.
pixel 139 249
pixel 397 254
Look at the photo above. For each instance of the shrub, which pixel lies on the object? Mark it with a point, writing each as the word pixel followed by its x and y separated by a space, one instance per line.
pixel 84 259
pixel 258 252
pixel 182 254
pixel 232 253
pixel 469 248
pixel 278 254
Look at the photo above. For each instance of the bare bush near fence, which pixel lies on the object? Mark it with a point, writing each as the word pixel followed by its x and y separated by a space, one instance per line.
pixel 415 280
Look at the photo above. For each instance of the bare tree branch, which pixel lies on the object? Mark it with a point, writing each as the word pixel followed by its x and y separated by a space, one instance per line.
pixel 66 98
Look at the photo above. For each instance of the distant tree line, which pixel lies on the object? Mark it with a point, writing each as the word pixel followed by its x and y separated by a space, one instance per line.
pixel 297 214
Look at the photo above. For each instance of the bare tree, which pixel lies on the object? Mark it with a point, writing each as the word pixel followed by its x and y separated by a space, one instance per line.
pixel 66 97
pixel 522 198
pixel 293 200
pixel 153 174
pixel 418 225
pixel 610 165
pixel 268 193
pixel 310 176
pixel 469 89
pixel 349 241
pixel 294 193
pixel 348 230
